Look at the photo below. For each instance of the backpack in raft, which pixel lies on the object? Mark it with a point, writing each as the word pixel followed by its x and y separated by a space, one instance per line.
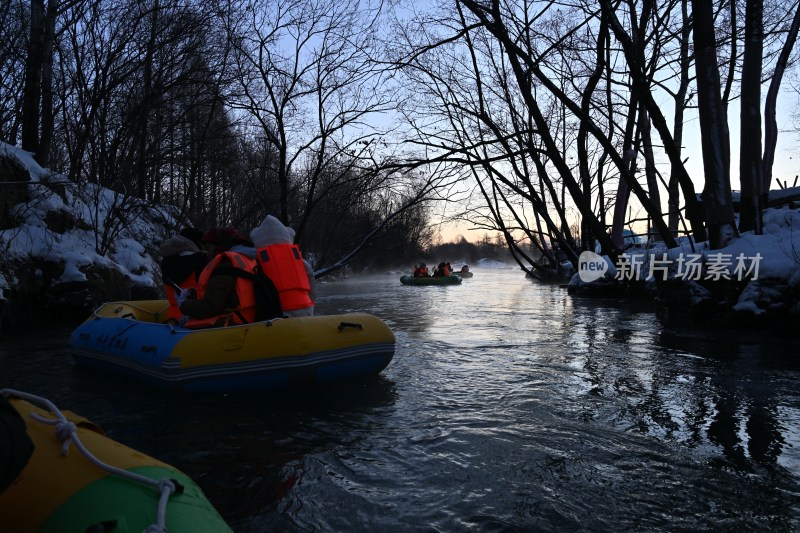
pixel 268 301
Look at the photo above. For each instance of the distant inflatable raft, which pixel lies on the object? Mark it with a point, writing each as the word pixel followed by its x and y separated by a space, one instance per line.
pixel 109 488
pixel 129 338
pixel 452 279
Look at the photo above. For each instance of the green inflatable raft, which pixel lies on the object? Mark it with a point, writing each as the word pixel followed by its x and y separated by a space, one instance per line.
pixel 77 479
pixel 452 279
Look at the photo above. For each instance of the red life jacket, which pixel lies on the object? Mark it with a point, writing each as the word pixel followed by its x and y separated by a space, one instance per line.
pixel 173 311
pixel 285 267
pixel 246 311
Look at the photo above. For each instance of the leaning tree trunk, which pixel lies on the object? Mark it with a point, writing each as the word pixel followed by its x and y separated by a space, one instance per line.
pixel 629 148
pixel 770 124
pixel 715 141
pixel 673 203
pixel 587 237
pixel 649 161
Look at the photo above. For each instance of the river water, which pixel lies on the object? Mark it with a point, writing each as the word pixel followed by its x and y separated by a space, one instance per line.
pixel 509 406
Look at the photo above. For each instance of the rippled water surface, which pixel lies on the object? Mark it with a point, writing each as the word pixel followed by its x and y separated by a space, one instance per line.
pixel 509 406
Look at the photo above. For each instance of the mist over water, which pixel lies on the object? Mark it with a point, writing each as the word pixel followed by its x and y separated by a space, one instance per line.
pixel 509 406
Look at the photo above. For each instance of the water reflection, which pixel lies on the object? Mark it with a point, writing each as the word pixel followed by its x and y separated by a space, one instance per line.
pixel 696 389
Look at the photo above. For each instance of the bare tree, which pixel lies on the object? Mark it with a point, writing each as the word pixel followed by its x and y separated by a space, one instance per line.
pixel 543 50
pixel 466 113
pixel 37 96
pixel 640 80
pixel 12 79
pixel 538 82
pixel 717 197
pixel 32 93
pixel 145 103
pixel 307 76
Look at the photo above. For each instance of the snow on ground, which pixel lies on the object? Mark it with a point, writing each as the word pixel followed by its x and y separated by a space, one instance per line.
pixel 777 251
pixel 95 234
pixel 767 261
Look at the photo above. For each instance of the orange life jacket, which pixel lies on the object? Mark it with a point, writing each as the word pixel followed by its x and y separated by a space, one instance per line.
pixel 173 311
pixel 246 311
pixel 285 267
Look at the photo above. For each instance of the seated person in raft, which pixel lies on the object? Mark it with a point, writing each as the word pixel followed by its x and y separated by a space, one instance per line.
pixel 221 298
pixel 443 270
pixel 281 260
pixel 421 271
pixel 181 265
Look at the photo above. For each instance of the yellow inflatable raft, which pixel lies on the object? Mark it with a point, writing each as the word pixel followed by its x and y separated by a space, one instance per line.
pixel 130 338
pixel 77 479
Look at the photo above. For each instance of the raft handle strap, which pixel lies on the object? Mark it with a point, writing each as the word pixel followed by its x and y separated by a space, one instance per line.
pixel 66 432
pixel 343 325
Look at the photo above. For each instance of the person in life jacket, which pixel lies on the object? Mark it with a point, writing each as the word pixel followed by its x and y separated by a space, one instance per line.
pixel 421 271
pixel 281 260
pixel 181 265
pixel 442 270
pixel 222 298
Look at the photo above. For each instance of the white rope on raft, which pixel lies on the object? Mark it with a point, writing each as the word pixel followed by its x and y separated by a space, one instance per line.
pixel 66 432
